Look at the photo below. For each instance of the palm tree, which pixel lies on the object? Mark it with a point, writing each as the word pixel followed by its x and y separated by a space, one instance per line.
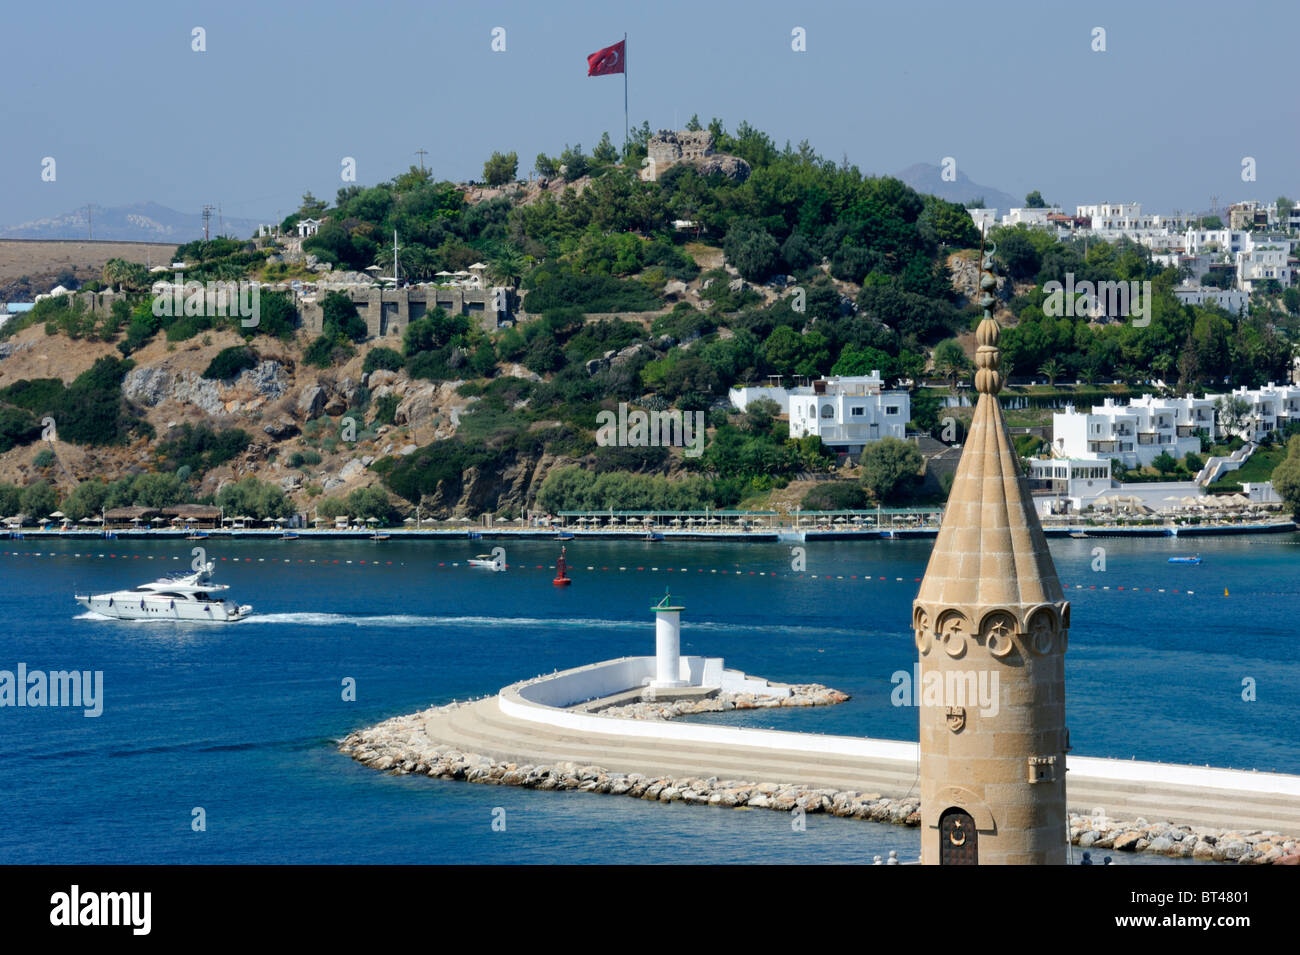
pixel 950 361
pixel 507 266
pixel 1052 369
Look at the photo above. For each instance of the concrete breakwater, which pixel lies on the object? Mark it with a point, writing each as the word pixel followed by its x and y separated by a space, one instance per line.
pixel 403 746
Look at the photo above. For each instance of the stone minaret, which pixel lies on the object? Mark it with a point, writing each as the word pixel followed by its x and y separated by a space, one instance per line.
pixel 990 616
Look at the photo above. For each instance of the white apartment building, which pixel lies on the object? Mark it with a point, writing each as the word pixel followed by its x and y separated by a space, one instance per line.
pixel 1222 241
pixel 1128 218
pixel 848 413
pixel 1261 262
pixel 1230 300
pixel 1272 408
pixel 1135 434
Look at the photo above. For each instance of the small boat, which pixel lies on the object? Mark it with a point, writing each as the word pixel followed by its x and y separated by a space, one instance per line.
pixel 488 561
pixel 377 536
pixel 564 536
pixel 288 536
pixel 1079 535
pixel 655 536
pixel 196 537
pixel 179 597
pixel 1185 560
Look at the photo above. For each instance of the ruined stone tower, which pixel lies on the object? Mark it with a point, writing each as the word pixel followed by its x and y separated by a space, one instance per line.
pixel 990 614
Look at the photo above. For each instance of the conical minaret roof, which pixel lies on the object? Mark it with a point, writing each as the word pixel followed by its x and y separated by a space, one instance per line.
pixel 990 549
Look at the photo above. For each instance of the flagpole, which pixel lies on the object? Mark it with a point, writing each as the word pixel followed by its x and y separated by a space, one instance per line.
pixel 625 97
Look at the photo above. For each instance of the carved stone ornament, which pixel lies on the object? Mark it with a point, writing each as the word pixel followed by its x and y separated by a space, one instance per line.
pixel 953 629
pixel 999 633
pixel 924 635
pixel 956 718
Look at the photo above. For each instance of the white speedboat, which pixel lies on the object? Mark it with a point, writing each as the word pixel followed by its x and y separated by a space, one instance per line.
pixel 488 561
pixel 181 597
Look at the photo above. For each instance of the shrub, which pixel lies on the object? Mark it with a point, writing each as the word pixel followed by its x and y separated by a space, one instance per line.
pixel 201 448
pixel 386 408
pixel 381 358
pixel 835 496
pixel 229 362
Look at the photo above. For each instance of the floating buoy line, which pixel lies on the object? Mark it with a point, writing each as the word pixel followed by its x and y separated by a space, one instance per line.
pixel 594 568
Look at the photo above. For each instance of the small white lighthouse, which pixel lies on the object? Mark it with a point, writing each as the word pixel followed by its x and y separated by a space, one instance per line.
pixel 668 643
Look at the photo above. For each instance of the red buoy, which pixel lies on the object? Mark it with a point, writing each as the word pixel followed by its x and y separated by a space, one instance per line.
pixel 561 578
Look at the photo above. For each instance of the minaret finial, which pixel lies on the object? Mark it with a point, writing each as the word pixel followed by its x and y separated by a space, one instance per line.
pixel 988 380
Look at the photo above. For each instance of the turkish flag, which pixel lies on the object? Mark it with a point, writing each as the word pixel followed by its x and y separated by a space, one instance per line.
pixel 612 59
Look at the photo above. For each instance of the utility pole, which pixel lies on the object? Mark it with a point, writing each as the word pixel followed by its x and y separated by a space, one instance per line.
pixel 207 218
pixel 90 229
pixel 422 153
pixel 221 223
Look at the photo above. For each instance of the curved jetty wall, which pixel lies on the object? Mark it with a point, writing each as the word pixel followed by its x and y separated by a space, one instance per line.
pixel 600 728
pixel 402 746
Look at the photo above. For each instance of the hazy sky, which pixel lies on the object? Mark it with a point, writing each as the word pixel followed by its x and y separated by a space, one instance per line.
pixel 1013 91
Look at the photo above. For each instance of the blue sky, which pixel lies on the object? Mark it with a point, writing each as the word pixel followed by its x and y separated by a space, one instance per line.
pixel 1012 91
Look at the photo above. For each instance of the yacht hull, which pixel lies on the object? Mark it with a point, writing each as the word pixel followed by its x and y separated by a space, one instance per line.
pixel 128 606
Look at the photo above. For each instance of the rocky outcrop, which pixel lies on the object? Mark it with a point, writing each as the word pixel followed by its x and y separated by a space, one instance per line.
pixel 616 359
pixel 311 402
pixel 152 385
pixel 733 167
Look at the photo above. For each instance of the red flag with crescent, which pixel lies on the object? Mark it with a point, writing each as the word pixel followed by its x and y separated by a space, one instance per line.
pixel 609 60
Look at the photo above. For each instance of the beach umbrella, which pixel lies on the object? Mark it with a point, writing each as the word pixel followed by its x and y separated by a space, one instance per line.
pixel 372 520
pixel 676 520
pixel 57 514
pixel 409 520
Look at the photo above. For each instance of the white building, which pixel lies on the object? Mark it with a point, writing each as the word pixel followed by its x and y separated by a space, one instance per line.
pixel 849 413
pixel 308 227
pixel 1271 408
pixel 1230 300
pixel 1062 485
pixel 1031 217
pixel 1261 262
pixel 1223 241
pixel 1134 434
pixel 741 397
pixel 984 219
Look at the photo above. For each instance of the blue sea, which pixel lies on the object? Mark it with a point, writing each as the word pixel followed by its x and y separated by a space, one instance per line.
pixel 242 720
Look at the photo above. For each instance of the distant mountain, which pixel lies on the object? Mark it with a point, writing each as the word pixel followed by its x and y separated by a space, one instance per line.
pixel 927 177
pixel 140 222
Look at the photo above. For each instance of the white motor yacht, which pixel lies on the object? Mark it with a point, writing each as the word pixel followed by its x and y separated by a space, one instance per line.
pixel 488 561
pixel 181 597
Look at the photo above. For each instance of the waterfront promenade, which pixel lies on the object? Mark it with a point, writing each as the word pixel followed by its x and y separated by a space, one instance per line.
pixel 807 531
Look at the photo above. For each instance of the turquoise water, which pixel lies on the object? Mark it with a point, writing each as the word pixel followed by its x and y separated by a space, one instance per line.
pixel 241 719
